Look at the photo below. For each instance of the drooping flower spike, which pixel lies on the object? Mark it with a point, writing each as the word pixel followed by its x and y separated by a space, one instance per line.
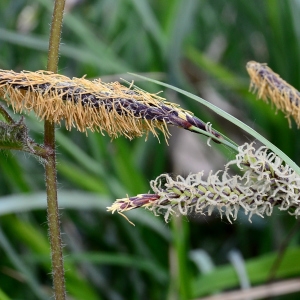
pixel 269 86
pixel 265 183
pixel 94 105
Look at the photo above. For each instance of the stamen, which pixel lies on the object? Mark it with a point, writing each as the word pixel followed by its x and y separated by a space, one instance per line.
pixel 93 105
pixel 268 85
pixel 265 183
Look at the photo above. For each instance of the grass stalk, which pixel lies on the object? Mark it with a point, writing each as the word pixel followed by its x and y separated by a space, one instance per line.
pixel 180 234
pixel 50 165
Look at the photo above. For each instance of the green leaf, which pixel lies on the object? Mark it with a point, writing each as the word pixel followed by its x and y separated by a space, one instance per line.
pixel 3 296
pixel 258 269
pixel 74 200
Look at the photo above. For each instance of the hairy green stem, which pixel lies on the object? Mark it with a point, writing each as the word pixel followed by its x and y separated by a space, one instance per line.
pixel 55 34
pixel 50 166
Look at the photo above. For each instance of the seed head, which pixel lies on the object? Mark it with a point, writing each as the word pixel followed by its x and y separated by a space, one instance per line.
pixel 269 85
pixel 93 105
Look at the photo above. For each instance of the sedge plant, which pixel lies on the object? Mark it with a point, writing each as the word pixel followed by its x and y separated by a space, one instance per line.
pixel 268 178
pixel 85 105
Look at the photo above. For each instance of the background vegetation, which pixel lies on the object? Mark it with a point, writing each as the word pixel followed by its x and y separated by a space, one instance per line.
pixel 200 46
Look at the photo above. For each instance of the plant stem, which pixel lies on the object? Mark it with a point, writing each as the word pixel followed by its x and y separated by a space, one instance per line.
pixel 281 252
pixel 8 119
pixel 180 234
pixel 55 34
pixel 50 166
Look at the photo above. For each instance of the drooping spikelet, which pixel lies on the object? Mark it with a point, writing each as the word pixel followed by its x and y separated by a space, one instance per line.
pixel 93 105
pixel 265 183
pixel 269 85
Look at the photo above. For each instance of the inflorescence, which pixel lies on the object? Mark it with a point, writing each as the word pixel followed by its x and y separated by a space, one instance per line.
pixel 94 105
pixel 265 183
pixel 269 85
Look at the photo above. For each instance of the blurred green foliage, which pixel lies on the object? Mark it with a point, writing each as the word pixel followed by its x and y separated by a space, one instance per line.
pixel 191 44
